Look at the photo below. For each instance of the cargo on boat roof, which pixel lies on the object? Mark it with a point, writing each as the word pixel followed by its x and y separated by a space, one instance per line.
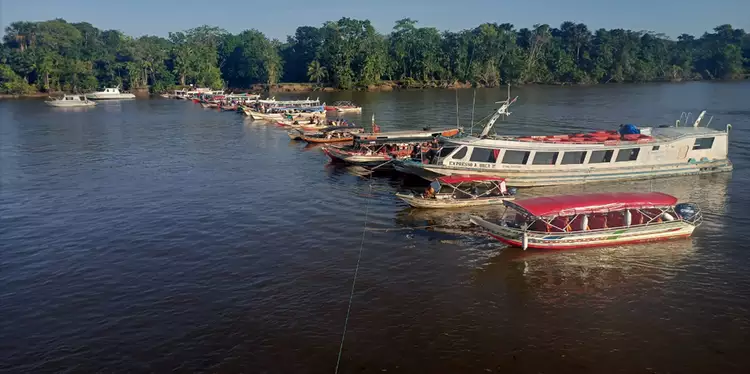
pixel 403 136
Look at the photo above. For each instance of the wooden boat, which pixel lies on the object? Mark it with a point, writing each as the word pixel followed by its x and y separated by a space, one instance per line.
pixel 70 101
pixel 374 149
pixel 626 154
pixel 460 191
pixel 333 135
pixel 343 107
pixel 593 220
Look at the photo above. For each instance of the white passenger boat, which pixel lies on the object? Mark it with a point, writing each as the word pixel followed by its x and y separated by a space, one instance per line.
pixel 593 220
pixel 70 101
pixel 274 110
pixel 529 161
pixel 110 93
pixel 460 191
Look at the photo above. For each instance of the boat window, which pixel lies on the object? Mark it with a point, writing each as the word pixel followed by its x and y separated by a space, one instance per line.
pixel 460 154
pixel 484 155
pixel 598 157
pixel 545 158
pixel 446 151
pixel 628 154
pixel 655 148
pixel 516 157
pixel 570 158
pixel 703 143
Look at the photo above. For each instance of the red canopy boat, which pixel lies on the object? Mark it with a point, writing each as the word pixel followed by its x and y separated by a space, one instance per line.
pixel 592 220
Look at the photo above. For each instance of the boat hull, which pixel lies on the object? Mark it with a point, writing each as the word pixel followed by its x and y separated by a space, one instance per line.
pixel 587 239
pixel 122 96
pixel 339 155
pixel 61 104
pixel 561 176
pixel 311 139
pixel 430 203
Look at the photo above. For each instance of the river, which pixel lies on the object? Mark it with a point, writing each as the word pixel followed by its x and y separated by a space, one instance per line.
pixel 155 236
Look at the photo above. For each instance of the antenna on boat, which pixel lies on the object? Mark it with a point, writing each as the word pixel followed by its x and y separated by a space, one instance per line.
pixel 503 110
pixel 473 105
pixel 457 121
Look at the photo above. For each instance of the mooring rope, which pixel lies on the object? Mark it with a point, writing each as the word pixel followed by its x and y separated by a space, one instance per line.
pixel 354 280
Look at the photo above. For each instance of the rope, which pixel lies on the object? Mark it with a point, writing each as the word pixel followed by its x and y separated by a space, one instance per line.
pixel 354 282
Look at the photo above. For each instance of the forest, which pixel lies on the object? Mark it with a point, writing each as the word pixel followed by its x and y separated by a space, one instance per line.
pixel 55 55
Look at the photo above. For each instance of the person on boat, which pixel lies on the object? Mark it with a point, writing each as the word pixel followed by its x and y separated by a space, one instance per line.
pixel 430 192
pixel 415 151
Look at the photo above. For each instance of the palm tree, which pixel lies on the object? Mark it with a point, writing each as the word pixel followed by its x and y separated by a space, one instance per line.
pixel 316 72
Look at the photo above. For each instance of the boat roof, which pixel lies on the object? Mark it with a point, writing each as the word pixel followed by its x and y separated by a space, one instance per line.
pixel 343 103
pixel 657 135
pixel 401 135
pixel 453 179
pixel 567 205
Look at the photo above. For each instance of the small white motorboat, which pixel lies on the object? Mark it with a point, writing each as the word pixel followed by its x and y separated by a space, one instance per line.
pixel 70 101
pixel 110 94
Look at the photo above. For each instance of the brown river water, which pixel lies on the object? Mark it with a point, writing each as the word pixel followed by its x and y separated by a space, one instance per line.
pixel 157 236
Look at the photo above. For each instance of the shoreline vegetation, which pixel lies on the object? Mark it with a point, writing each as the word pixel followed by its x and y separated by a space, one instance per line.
pixel 38 59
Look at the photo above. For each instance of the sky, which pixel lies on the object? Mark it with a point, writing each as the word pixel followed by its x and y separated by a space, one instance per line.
pixel 277 19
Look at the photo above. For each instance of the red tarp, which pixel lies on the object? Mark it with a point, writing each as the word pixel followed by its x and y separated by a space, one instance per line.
pixel 453 179
pixel 567 205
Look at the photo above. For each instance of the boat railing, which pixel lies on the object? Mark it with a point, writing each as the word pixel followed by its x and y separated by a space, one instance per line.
pixel 594 231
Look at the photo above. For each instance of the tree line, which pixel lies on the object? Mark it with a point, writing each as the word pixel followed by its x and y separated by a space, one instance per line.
pixel 59 56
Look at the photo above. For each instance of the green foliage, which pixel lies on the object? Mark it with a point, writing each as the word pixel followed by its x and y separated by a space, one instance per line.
pixel 57 55
pixel 11 83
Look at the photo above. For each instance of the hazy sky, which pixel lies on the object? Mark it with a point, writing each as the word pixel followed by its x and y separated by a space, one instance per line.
pixel 280 18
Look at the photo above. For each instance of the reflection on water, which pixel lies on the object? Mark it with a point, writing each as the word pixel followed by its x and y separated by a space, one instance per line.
pixel 198 240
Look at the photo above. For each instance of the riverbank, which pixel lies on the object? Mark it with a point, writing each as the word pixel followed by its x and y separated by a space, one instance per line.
pixel 384 86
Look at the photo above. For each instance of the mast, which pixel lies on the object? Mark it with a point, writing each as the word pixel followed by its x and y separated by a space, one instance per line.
pixel 503 110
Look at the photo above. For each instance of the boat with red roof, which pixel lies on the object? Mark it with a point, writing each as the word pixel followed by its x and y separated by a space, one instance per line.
pixel 460 191
pixel 593 220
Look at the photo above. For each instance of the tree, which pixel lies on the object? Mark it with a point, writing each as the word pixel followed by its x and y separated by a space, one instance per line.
pixel 316 72
pixel 57 55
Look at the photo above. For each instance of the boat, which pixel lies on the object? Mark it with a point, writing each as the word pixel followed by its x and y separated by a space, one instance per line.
pixel 460 191
pixel 378 148
pixel 624 154
pixel 70 101
pixel 110 93
pixel 593 220
pixel 332 135
pixel 274 110
pixel 343 107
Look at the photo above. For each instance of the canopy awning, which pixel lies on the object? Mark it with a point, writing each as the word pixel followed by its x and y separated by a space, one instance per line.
pixel 567 205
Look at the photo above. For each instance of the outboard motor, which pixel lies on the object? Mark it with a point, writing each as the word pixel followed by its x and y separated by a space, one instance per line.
pixel 688 211
pixel 512 191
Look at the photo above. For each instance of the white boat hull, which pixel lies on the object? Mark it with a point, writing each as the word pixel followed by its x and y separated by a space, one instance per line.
pixel 584 239
pixel 563 176
pixel 63 104
pixel 121 96
pixel 432 203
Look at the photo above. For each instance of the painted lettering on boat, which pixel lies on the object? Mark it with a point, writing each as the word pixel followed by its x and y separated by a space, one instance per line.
pixel 479 165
